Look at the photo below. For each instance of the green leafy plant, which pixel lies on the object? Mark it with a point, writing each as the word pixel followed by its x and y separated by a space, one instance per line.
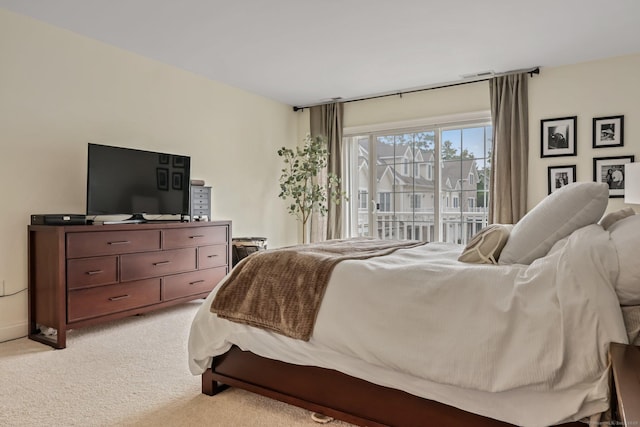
pixel 299 180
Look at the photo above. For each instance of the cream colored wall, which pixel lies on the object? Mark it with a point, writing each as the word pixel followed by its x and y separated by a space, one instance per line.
pixel 59 91
pixel 595 89
pixel 609 87
pixel 469 98
pixel 432 103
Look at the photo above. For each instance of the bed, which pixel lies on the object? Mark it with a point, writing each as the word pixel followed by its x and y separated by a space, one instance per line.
pixel 417 337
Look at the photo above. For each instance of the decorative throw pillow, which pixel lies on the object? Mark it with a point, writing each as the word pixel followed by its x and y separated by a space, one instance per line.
pixel 555 217
pixel 612 217
pixel 625 235
pixel 486 245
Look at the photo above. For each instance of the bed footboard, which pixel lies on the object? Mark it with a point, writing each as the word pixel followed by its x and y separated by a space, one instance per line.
pixel 333 393
pixel 211 386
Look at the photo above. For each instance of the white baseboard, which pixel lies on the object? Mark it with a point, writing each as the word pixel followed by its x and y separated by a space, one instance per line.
pixel 12 332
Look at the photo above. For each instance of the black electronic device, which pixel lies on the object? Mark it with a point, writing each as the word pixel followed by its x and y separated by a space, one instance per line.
pixel 58 219
pixel 126 181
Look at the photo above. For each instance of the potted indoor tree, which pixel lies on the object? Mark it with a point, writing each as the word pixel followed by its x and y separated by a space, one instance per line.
pixel 299 181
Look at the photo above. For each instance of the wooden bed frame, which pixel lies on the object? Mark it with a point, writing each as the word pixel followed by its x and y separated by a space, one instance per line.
pixel 334 394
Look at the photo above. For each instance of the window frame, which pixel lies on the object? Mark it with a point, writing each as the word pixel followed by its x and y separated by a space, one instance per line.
pixel 363 199
pixel 436 123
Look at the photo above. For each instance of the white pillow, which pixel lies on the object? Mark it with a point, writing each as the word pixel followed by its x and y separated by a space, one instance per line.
pixel 625 235
pixel 486 245
pixel 555 217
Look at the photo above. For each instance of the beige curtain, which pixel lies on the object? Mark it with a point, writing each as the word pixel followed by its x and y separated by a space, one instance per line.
pixel 509 160
pixel 326 120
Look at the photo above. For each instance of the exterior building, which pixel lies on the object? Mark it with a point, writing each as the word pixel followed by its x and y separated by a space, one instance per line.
pixel 406 186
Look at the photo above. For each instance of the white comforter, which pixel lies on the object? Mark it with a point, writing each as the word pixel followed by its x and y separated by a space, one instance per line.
pixel 523 344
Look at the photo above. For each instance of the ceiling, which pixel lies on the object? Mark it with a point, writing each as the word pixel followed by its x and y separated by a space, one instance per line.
pixel 304 52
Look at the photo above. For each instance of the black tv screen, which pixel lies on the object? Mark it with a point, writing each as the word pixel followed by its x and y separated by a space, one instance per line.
pixel 136 182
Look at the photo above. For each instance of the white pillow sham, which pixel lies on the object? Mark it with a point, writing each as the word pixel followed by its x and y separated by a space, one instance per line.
pixel 556 216
pixel 625 235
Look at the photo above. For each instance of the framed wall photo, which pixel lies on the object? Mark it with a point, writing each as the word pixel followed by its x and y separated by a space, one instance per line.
pixel 610 170
pixel 559 176
pixel 162 178
pixel 178 161
pixel 608 131
pixel 558 137
pixel 176 180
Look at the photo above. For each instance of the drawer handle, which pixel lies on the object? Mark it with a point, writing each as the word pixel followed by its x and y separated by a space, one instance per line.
pixel 92 272
pixel 196 282
pixel 119 297
pixel 212 256
pixel 196 236
pixel 161 263
pixel 119 242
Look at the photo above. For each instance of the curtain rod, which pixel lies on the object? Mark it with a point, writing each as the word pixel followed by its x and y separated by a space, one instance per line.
pixel 530 71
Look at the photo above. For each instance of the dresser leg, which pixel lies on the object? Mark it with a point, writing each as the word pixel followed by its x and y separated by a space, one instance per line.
pixel 57 341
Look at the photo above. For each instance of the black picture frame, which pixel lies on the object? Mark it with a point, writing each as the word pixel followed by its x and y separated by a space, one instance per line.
pixel 178 161
pixel 559 176
pixel 558 137
pixel 610 170
pixel 176 180
pixel 162 179
pixel 608 131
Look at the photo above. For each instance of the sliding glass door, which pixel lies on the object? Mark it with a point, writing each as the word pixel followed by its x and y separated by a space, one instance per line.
pixel 426 184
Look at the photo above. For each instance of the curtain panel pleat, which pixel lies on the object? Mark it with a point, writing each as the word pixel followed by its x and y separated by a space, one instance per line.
pixel 326 120
pixel 509 160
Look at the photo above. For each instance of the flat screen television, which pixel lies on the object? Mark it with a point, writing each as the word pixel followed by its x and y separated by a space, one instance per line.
pixel 125 181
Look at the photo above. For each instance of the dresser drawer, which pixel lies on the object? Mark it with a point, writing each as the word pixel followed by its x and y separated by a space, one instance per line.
pixel 194 236
pixel 201 206
pixel 197 282
pixel 212 256
pixel 111 242
pixel 200 198
pixel 86 272
pixel 156 264
pixel 199 191
pixel 94 302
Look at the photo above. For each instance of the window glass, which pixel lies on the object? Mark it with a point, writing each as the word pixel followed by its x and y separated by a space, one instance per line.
pixel 419 194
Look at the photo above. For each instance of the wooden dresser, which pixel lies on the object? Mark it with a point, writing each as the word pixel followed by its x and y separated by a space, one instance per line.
pixel 81 275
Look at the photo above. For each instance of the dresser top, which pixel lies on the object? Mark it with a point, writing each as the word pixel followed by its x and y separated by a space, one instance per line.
pixel 128 227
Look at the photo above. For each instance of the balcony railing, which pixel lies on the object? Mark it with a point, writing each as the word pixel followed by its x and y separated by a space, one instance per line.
pixel 455 226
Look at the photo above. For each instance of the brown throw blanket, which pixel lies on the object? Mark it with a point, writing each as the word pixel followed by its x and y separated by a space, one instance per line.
pixel 281 289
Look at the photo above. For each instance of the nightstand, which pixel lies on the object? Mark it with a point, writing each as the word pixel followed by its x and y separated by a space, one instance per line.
pixel 625 398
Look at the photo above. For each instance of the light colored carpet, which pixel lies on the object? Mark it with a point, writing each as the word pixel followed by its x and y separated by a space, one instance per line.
pixel 131 372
